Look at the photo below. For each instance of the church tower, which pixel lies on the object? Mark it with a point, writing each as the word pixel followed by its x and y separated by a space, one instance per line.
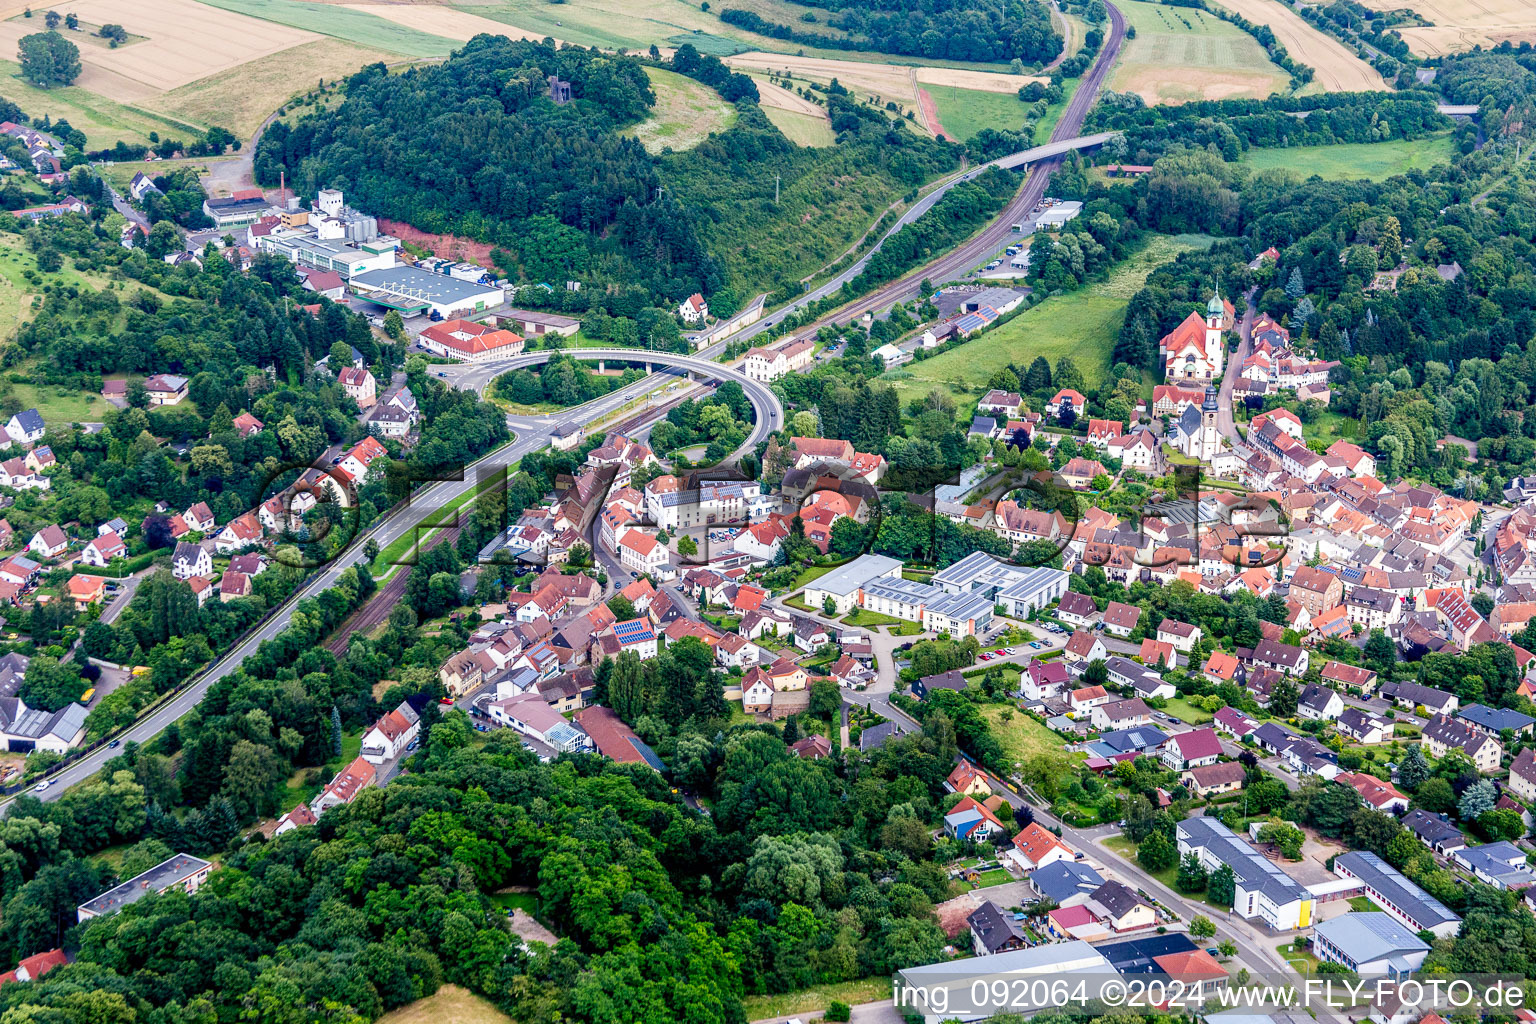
pixel 1210 433
pixel 1215 347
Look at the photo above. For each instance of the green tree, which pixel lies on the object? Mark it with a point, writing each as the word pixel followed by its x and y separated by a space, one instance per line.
pixel 1413 770
pixel 48 60
pixel 1435 796
pixel 1192 875
pixel 1201 927
pixel 1222 887
pixel 1157 852
pixel 393 325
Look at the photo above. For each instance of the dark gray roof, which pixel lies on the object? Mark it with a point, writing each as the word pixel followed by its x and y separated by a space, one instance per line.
pixel 29 419
pixel 994 928
pixel 1064 879
pixel 1433 829
pixel 1117 898
pixel 1317 697
pixel 1254 871
pixel 1419 906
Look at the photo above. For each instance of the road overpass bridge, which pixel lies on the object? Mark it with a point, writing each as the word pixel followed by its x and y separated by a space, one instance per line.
pixel 768 411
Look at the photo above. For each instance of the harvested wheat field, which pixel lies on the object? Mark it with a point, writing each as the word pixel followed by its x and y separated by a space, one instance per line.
pixel 242 97
pixel 184 41
pixel 980 81
pixel 448 1005
pixel 1338 68
pixel 443 21
pixel 1459 25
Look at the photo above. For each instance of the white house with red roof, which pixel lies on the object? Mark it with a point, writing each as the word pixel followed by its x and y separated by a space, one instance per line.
pixel 469 341
pixel 387 738
pixel 359 386
pixel 1066 397
pixel 1035 847
pixel 103 549
pixel 641 552
pixel 344 788
pixel 359 460
pixel 693 309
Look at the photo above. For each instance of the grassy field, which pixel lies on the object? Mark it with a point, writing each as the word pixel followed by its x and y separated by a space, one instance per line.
pixel 1082 325
pixel 1021 736
pixel 1375 161
pixel 1182 54
pixel 801 129
pixel 964 112
pixel 16 292
pixel 685 114
pixel 59 405
pixel 1186 712
pixel 864 617
pixel 103 121
pixel 809 1000
pixel 343 23
pixel 448 1005
pixel 242 97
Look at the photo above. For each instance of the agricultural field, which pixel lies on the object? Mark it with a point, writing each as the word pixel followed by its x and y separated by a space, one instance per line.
pixel 448 1005
pixel 1082 325
pixel 685 114
pixel 964 112
pixel 342 22
pixel 802 122
pixel 1338 67
pixel 1183 53
pixel 445 22
pixel 184 41
pixel 1375 161
pixel 241 98
pixel 103 120
pixel 1458 25
pixel 886 83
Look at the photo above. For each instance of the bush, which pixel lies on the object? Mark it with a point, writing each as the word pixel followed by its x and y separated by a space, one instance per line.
pixel 838 1010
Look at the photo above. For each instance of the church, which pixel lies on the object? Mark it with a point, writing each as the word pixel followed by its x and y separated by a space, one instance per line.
pixel 1194 350
pixel 1195 432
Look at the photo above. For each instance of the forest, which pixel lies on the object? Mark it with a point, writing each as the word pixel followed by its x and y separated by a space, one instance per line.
pixel 490 153
pixel 1235 126
pixel 995 31
pixel 826 197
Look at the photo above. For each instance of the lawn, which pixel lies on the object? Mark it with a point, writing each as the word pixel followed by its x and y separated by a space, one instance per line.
pixel 525 901
pixel 1182 54
pixel 810 574
pixel 801 129
pixel 1375 161
pixel 1083 325
pixel 1021 736
pixel 810 1000
pixel 449 1003
pixel 1186 712
pixel 997 876
pixel 103 121
pixel 964 112
pixel 1363 904
pixel 17 293
pixel 1304 962
pixel 685 114
pixel 344 23
pixel 869 618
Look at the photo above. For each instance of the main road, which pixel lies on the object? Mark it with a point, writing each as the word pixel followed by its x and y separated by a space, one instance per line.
pixel 399 524
pixel 404 521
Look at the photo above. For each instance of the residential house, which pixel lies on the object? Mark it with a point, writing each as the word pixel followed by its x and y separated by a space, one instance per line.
pixel 1364 727
pixel 1493 721
pixel 1380 794
pixel 26 427
pixel 199 517
pixel 389 737
pixel 1319 703
pixel 1181 635
pixel 181 871
pixel 1522 775
pixel 1084 700
pixel 970 820
pixel 1434 831
pixel 85 590
pixel 191 560
pixel 1082 647
pixel 1036 847
pixel 166 389
pixel 344 788
pixel 1211 779
pixel 1120 714
pixel 1417 695
pixel 1121 619
pixel 49 542
pixel 994 930
pixel 240 532
pixel 1442 734
pixel 1293 661
pixel 1191 749
pixel 1077 609
pixel 359 386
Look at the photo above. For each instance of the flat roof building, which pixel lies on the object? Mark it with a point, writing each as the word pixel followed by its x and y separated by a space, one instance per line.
pixel 1371 943
pixel 181 871
pixel 844 583
pixel 960 990
pixel 412 290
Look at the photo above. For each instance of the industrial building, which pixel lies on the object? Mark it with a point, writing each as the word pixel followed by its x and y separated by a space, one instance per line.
pixel 411 290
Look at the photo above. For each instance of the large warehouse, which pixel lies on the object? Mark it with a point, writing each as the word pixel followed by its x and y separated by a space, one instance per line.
pixel 411 290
